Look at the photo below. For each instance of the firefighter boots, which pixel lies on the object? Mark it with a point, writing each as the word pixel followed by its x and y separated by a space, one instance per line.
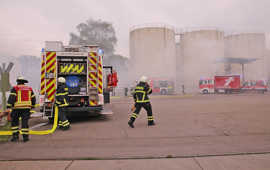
pixel 151 123
pixel 15 137
pixel 66 127
pixel 130 123
pixel 25 138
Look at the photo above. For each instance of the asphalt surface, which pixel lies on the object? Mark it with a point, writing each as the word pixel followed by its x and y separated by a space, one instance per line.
pixel 191 132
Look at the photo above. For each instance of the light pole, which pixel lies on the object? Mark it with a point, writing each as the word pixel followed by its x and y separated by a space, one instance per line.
pixel 5 84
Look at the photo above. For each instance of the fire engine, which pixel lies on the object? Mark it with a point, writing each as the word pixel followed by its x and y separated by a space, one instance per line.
pixel 255 85
pixel 82 67
pixel 229 84
pixel 161 86
pixel 220 84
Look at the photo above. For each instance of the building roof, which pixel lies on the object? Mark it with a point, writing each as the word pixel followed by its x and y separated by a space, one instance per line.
pixel 232 60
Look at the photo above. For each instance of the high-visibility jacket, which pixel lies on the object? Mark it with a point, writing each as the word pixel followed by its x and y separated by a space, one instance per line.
pixel 21 97
pixel 62 96
pixel 141 92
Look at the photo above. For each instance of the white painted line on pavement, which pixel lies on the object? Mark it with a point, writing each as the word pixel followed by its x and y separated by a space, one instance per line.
pixel 38 125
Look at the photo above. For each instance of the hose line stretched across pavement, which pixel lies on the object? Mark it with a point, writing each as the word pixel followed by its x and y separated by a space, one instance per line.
pixel 42 132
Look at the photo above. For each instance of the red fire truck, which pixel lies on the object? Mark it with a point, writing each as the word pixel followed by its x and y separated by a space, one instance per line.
pixel 255 85
pixel 161 86
pixel 82 67
pixel 220 84
pixel 230 84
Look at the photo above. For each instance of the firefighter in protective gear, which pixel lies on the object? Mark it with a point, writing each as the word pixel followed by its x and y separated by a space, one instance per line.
pixel 140 95
pixel 62 102
pixel 21 100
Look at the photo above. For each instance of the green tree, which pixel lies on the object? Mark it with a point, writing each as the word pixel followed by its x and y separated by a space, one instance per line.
pixel 30 69
pixel 102 33
pixel 95 32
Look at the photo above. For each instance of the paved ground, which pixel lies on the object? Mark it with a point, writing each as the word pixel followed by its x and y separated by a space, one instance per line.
pixel 195 132
pixel 246 162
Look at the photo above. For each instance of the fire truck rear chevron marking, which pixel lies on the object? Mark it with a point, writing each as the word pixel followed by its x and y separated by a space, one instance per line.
pixel 93 83
pixel 69 68
pixel 92 68
pixel 51 96
pixel 100 76
pixel 93 75
pixel 92 103
pixel 42 83
pixel 50 68
pixel 50 62
pixel 93 60
pixel 63 69
pixel 80 70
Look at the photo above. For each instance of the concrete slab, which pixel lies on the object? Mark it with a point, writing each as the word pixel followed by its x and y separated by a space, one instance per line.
pixel 139 164
pixel 241 162
pixel 193 126
pixel 34 165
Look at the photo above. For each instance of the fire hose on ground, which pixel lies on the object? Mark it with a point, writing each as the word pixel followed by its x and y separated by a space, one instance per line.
pixel 41 132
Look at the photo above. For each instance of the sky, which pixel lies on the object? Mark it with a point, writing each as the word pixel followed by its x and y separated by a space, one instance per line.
pixel 27 24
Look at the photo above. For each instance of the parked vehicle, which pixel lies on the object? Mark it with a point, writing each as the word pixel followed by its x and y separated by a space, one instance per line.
pixel 230 84
pixel 85 75
pixel 161 86
pixel 220 84
pixel 255 85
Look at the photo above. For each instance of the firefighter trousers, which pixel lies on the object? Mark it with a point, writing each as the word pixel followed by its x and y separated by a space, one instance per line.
pixel 147 106
pixel 15 115
pixel 63 122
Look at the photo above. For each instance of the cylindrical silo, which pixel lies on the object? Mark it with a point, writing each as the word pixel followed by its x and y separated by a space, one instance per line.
pixel 200 50
pixel 179 68
pixel 248 46
pixel 267 56
pixel 152 52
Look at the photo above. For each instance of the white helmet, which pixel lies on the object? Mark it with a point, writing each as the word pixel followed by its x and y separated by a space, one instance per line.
pixel 143 79
pixel 21 79
pixel 61 80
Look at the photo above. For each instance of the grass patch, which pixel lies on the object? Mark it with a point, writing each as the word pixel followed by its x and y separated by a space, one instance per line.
pixel 5 128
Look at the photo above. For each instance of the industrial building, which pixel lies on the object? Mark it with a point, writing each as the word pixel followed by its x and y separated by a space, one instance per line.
pixel 187 55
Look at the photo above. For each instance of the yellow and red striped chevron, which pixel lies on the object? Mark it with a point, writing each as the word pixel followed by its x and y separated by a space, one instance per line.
pixel 42 76
pixel 92 74
pixel 50 68
pixel 92 70
pixel 100 76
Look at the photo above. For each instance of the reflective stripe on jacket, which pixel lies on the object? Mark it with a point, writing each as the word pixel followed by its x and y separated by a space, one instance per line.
pixel 141 92
pixel 21 97
pixel 62 96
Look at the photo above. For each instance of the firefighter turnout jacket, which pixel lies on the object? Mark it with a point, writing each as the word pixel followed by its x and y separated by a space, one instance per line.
pixel 62 96
pixel 141 91
pixel 21 97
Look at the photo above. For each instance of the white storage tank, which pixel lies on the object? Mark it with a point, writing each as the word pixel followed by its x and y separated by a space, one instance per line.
pixel 152 52
pixel 248 46
pixel 200 50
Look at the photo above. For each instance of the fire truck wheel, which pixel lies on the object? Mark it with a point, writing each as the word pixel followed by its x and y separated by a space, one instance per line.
pixel 205 91
pixel 163 92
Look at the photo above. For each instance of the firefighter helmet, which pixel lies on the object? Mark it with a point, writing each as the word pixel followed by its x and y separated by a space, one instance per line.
pixel 21 79
pixel 61 80
pixel 143 79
